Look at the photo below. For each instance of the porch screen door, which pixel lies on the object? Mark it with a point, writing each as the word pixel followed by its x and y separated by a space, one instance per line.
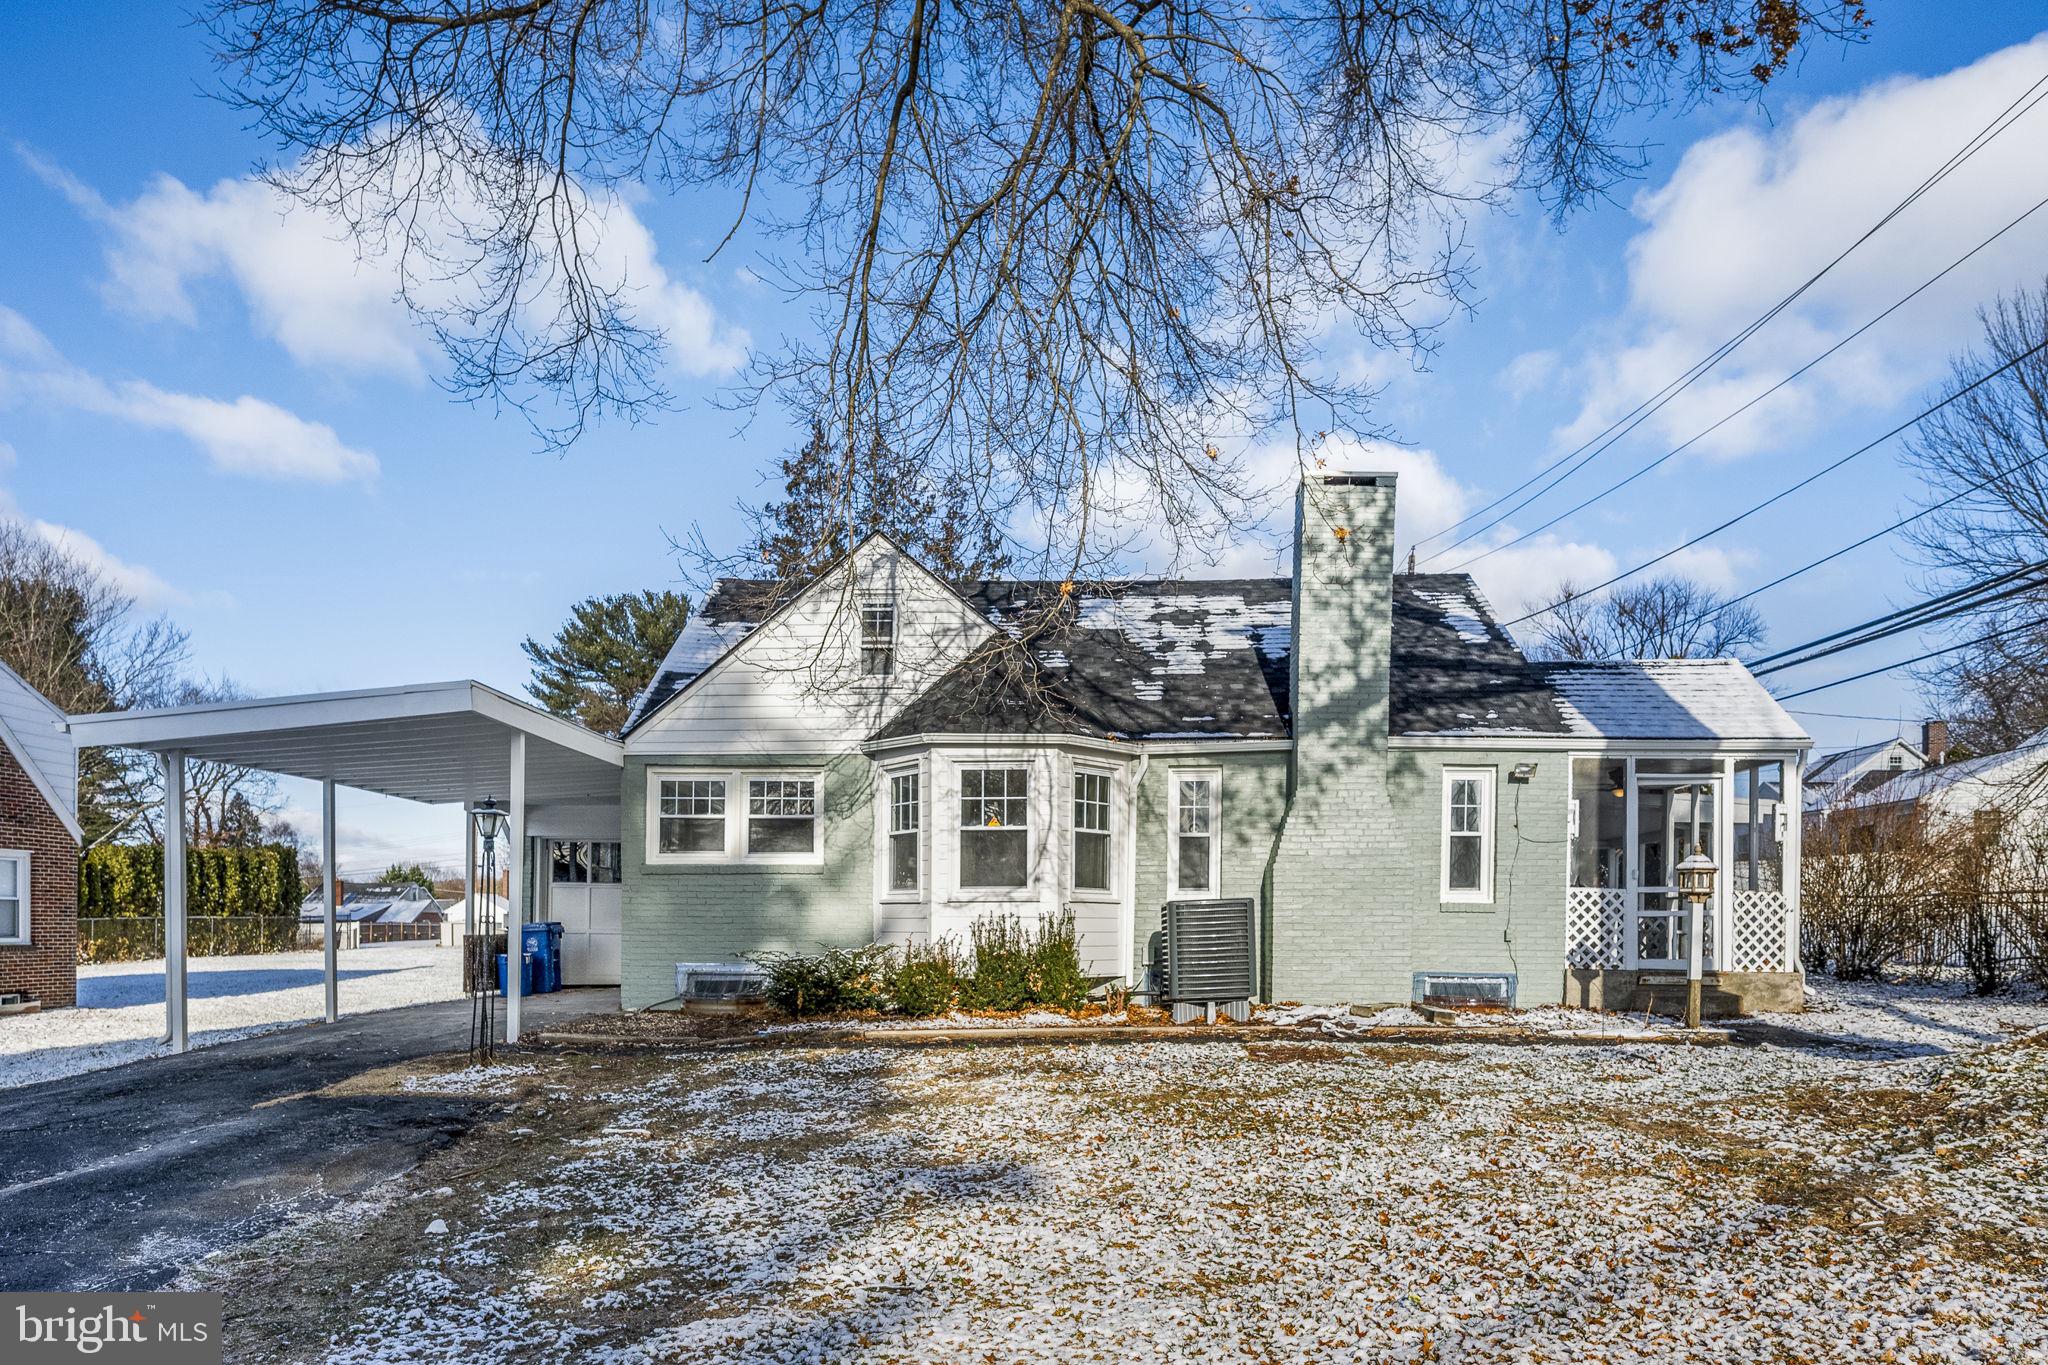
pixel 1673 816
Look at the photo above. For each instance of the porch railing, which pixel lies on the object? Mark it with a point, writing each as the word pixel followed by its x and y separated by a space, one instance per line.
pixel 1597 924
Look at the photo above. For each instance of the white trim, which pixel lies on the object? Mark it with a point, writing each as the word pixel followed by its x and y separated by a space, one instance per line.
pixel 737 799
pixel 1122 747
pixel 1483 893
pixel 22 895
pixel 886 833
pixel 1598 744
pixel 1174 777
pixel 865 603
pixel 67 814
pixel 1029 886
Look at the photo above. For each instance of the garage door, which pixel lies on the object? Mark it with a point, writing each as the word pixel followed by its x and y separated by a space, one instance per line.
pixel 584 895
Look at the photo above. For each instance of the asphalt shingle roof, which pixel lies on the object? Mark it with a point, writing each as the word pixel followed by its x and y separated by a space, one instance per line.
pixel 1669 699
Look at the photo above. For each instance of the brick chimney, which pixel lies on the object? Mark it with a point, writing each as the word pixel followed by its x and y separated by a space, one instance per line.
pixel 1934 740
pixel 1343 934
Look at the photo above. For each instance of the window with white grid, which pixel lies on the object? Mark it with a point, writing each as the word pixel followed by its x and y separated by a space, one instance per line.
pixel 692 815
pixel 905 823
pixel 1091 831
pixel 877 639
pixel 782 815
pixel 995 828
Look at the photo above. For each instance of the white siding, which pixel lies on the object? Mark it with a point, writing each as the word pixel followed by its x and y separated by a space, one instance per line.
pixel 794 685
pixel 46 743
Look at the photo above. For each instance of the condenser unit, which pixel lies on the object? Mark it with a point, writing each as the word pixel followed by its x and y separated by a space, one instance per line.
pixel 1209 958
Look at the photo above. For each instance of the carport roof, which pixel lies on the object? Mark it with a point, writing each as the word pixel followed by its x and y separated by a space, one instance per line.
pixel 434 742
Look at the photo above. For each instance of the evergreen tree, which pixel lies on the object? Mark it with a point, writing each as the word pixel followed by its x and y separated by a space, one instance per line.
pixel 831 502
pixel 408 874
pixel 604 655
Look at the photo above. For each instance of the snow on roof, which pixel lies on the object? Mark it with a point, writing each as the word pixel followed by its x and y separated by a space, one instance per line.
pixel 1708 699
pixel 1828 766
pixel 1917 784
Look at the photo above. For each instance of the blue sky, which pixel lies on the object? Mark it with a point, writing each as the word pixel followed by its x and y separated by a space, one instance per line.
pixel 221 406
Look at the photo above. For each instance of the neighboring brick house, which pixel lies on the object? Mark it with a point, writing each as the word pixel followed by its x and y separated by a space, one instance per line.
pixel 1413 807
pixel 39 839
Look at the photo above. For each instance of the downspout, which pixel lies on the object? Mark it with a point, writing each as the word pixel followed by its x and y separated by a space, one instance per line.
pixel 1145 987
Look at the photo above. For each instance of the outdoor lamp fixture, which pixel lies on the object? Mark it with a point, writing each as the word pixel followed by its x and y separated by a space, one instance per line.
pixel 1695 878
pixel 490 821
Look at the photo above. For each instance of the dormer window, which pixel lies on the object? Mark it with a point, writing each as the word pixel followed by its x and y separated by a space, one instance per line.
pixel 877 639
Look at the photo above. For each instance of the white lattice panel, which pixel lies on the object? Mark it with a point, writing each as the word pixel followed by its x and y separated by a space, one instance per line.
pixel 1759 932
pixel 1595 925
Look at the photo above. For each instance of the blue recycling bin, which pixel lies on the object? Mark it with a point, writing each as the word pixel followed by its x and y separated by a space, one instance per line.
pixel 543 943
pixel 528 964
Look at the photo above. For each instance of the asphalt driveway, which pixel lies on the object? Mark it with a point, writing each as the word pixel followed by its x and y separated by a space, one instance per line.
pixel 116 1179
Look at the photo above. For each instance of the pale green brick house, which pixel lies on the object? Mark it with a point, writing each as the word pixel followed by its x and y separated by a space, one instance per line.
pixel 1410 805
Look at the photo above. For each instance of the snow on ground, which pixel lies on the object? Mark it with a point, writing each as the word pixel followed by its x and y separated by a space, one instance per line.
pixel 120 1013
pixel 1872 1190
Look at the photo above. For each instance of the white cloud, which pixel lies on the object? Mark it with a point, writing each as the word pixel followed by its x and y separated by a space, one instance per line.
pixel 145 585
pixel 244 435
pixel 1750 213
pixel 308 287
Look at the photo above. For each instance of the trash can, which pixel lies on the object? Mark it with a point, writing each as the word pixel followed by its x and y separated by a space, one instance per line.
pixel 527 972
pixel 543 942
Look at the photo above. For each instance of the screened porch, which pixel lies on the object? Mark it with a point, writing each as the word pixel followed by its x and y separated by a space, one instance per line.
pixel 1633 816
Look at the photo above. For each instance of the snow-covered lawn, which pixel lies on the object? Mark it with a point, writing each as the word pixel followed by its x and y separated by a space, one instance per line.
pixel 120 1014
pixel 1877 1190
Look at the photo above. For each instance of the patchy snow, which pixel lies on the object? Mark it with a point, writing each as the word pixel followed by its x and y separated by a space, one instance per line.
pixel 1827 1195
pixel 1668 699
pixel 120 1014
pixel 1460 613
pixel 497 1079
pixel 1185 629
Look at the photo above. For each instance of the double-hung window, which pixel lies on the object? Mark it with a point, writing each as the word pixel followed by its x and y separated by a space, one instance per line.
pixel 1091 831
pixel 995 828
pixel 691 816
pixel 782 815
pixel 877 639
pixel 13 896
pixel 1468 835
pixel 906 820
pixel 1193 867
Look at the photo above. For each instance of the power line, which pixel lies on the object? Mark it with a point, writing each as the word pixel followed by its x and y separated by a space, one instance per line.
pixel 1997 588
pixel 1622 425
pixel 1814 477
pixel 1846 715
pixel 1908 663
pixel 1701 435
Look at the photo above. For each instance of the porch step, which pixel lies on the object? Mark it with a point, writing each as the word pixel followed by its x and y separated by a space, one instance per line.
pixel 1665 994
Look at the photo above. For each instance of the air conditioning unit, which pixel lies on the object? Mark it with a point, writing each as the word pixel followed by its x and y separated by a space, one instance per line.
pixel 1209 958
pixel 719 982
pixel 1487 989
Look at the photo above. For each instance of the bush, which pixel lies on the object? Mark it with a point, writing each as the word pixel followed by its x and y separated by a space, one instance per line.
pixel 1013 968
pixel 831 982
pixel 925 980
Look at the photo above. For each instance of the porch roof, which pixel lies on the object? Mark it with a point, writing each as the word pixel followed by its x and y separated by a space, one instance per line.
pixel 1670 699
pixel 433 742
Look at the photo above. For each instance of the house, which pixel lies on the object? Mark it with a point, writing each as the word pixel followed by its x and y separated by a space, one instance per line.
pixel 39 842
pixel 1835 776
pixel 1403 805
pixel 2004 795
pixel 377 913
pixel 1411 805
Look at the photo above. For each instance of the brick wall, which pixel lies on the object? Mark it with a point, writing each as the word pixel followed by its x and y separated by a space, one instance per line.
pixel 47 967
pixel 1341 898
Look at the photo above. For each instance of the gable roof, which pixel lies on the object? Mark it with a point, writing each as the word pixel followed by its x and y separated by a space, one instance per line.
pixel 1705 699
pixel 1829 767
pixel 39 736
pixel 1918 784
pixel 1455 671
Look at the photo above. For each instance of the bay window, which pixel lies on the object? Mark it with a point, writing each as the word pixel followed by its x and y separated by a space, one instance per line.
pixel 1091 830
pixel 995 828
pixel 905 823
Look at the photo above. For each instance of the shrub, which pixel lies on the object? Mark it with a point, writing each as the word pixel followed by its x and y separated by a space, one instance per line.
pixel 925 980
pixel 1056 978
pixel 1002 965
pixel 831 982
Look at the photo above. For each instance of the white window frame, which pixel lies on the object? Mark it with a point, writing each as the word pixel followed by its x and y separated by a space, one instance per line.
pixel 1483 893
pixel 23 886
pixel 1108 893
pixel 886 822
pixel 1174 890
pixel 737 791
pixel 888 648
pixel 960 829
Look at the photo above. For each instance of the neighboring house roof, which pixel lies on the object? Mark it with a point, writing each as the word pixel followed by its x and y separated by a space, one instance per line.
pixel 39 737
pixel 1832 767
pixel 378 904
pixel 1669 699
pixel 1931 783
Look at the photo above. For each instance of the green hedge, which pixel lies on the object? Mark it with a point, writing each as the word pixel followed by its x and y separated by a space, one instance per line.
pixel 126 881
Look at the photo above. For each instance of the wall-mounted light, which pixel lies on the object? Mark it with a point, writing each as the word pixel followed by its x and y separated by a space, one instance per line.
pixel 1522 772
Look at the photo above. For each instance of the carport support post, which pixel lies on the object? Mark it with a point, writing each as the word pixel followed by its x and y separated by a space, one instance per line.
pixel 328 868
pixel 174 900
pixel 515 847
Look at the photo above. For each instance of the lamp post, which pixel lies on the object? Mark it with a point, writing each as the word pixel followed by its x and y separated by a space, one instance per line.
pixel 1696 883
pixel 489 823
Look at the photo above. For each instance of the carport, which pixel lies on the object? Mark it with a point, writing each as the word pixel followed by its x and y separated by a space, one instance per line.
pixel 437 743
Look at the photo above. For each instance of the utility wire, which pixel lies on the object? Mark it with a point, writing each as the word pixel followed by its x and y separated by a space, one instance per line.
pixel 1701 435
pixel 1810 479
pixel 1629 420
pixel 1929 613
pixel 1908 663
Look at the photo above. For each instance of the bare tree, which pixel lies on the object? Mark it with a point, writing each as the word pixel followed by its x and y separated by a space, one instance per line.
pixel 1660 618
pixel 1985 461
pixel 1063 254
